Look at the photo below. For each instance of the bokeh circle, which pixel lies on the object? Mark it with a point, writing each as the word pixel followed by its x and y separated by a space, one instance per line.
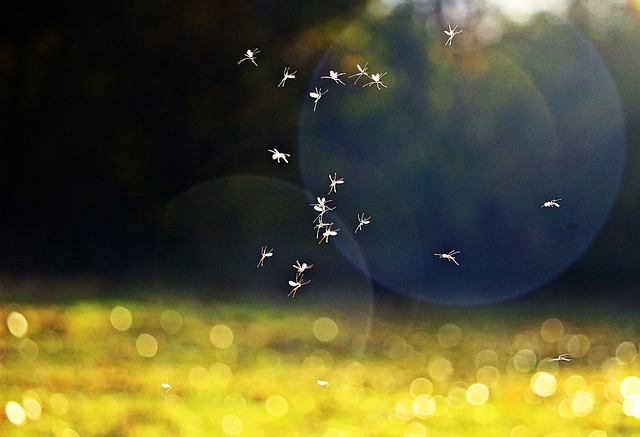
pixel 460 152
pixel 211 246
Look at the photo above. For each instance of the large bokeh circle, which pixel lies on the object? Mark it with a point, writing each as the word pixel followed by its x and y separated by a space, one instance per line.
pixel 211 245
pixel 461 150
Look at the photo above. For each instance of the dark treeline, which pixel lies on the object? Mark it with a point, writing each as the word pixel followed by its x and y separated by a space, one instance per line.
pixel 110 109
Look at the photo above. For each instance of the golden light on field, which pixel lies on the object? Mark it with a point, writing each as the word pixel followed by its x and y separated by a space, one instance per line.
pixel 17 324
pixel 147 345
pixel 221 336
pixel 325 329
pixel 262 373
pixel 121 318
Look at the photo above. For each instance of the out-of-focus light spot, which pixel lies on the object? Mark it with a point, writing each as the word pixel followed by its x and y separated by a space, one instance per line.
pixel 421 386
pixel 578 345
pixel 531 397
pixel 477 394
pixel 59 403
pixel 121 318
pixel 543 384
pixel 552 330
pixel 396 347
pixel 199 377
pixel 235 402
pixel 439 369
pixel 614 369
pixel 351 393
pixel 611 413
pixel 449 335
pixel 574 384
pixel 15 413
pixel 220 374
pixel 598 433
pixel 564 408
pixel 31 405
pixel 375 423
pixel 29 350
pixel 221 336
pixel 583 402
pixel 228 355
pixel 488 375
pixel 630 387
pixel 631 407
pixel 626 352
pixel 424 406
pixel 68 432
pixel 524 360
pixel 520 431
pixel 147 345
pixel 268 357
pixel 277 406
pixel 415 429
pixel 486 357
pixel 404 410
pixel 171 321
pixel 232 424
pixel 325 329
pixel 457 396
pixel 17 324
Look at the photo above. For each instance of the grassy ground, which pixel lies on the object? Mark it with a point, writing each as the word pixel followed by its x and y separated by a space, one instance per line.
pixel 96 368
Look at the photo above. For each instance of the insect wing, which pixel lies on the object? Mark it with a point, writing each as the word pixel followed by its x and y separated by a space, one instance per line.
pixel 293 284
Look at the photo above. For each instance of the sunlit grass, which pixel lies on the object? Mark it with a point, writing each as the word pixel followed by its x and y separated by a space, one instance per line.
pixel 188 369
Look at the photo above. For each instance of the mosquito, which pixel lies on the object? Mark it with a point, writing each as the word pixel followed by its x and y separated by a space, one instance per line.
pixel 320 225
pixel 287 75
pixel 553 203
pixel 362 221
pixel 321 206
pixel 279 155
pixel 335 76
pixel 375 80
pixel 317 94
pixel 265 253
pixel 328 233
pixel 561 357
pixel 451 32
pixel 363 72
pixel 302 267
pixel 297 284
pixel 250 55
pixel 334 182
pixel 449 256
pixel 167 388
pixel 324 384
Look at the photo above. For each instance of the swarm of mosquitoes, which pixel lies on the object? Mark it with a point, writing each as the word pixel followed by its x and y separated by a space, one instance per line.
pixel 324 229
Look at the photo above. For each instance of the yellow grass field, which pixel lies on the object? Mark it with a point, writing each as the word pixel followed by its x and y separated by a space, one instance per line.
pixel 188 368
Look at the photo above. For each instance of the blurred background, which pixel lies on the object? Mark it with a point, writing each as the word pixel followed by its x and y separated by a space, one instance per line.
pixel 114 112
